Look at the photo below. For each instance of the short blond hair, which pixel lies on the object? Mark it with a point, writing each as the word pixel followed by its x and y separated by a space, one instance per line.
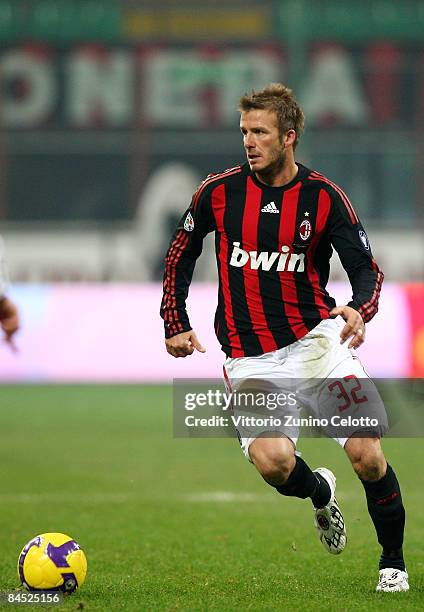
pixel 279 99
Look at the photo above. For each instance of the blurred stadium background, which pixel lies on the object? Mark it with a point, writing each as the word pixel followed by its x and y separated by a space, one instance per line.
pixel 112 112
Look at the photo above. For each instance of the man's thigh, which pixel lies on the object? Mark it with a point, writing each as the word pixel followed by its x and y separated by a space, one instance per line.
pixel 263 398
pixel 348 403
pixel 334 385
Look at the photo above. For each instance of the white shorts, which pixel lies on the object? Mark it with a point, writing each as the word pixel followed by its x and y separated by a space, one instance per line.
pixel 326 378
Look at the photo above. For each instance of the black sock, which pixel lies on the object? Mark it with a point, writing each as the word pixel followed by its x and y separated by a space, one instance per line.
pixel 386 509
pixel 323 494
pixel 303 483
pixel 392 558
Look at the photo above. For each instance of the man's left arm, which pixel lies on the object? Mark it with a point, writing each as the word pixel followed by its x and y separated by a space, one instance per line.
pixel 350 240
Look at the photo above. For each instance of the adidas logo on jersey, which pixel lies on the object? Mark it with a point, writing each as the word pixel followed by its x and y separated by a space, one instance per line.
pixel 283 261
pixel 270 208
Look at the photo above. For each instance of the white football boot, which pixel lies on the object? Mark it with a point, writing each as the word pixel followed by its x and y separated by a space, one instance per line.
pixel 329 520
pixel 392 581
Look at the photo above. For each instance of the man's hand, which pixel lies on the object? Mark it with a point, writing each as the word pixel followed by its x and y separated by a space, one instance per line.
pixel 9 319
pixel 354 328
pixel 183 344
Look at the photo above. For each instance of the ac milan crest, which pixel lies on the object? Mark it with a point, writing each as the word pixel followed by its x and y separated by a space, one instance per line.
pixel 305 229
pixel 189 223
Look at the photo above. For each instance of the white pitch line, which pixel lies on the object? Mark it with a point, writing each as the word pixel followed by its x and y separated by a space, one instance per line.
pixel 232 496
pixel 123 498
pixel 227 496
pixel 92 498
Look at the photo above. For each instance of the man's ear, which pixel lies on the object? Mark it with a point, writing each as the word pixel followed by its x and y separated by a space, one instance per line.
pixel 289 138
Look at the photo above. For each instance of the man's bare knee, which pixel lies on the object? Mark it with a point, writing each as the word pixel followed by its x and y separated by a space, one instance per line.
pixel 367 458
pixel 274 458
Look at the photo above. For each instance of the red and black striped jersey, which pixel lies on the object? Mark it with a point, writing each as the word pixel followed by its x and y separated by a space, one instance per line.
pixel 273 248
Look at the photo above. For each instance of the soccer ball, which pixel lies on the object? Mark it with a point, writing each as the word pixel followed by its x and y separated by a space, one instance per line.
pixel 52 562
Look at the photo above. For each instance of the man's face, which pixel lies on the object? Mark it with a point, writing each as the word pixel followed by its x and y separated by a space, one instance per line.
pixel 262 141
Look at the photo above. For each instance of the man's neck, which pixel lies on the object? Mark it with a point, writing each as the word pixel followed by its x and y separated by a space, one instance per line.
pixel 280 178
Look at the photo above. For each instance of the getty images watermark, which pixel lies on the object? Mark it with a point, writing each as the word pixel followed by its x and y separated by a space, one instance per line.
pixel 236 401
pixel 330 407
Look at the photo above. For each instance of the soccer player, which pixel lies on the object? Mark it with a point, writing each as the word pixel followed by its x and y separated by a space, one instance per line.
pixel 9 319
pixel 276 223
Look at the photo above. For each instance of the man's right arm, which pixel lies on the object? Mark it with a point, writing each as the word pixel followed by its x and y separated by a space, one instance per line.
pixel 184 249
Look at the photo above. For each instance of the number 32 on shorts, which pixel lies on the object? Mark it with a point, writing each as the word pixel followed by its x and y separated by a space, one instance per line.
pixel 349 390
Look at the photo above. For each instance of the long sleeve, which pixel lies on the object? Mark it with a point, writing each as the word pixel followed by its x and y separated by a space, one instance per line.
pixel 350 240
pixel 185 247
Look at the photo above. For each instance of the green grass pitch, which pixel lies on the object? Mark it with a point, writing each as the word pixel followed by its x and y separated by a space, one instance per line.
pixel 183 524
